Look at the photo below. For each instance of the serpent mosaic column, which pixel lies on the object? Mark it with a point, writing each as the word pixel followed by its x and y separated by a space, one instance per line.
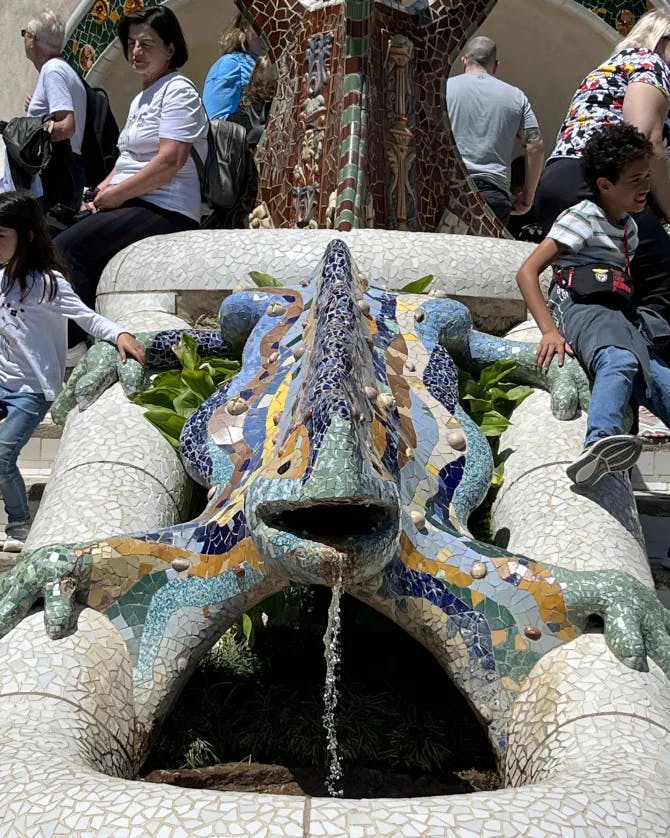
pixel 359 112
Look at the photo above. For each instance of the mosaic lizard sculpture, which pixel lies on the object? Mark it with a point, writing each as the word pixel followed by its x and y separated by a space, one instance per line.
pixel 338 452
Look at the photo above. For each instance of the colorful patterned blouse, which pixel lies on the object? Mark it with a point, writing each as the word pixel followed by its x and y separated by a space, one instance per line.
pixel 599 99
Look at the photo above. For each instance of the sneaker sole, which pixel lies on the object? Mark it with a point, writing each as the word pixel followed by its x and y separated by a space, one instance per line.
pixel 607 455
pixel 13 545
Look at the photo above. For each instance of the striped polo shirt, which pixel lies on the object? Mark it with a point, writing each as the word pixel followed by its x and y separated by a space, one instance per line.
pixel 592 238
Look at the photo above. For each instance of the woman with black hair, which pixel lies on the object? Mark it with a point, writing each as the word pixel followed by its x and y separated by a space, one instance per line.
pixel 154 187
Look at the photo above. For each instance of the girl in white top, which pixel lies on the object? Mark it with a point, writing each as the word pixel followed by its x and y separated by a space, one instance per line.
pixel 36 302
pixel 154 187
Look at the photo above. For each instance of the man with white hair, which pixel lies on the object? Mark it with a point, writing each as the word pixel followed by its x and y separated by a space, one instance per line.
pixel 487 116
pixel 60 95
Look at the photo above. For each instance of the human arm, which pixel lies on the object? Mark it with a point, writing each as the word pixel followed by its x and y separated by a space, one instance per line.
pixel 528 280
pixel 88 204
pixel 530 138
pixel 67 303
pixel 171 157
pixel 646 107
pixel 59 102
pixel 63 126
pixel 533 145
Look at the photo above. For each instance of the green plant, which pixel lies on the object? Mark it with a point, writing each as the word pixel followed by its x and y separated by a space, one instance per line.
pixel 265 280
pixel 489 401
pixel 200 754
pixel 175 394
pixel 417 286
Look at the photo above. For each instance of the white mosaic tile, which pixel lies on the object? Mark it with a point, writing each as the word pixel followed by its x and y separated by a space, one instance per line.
pixel 222 259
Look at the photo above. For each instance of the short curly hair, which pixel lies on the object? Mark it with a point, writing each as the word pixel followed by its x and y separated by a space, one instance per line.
pixel 610 149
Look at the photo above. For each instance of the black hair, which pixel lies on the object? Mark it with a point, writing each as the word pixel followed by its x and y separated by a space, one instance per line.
pixel 34 249
pixel 165 24
pixel 609 150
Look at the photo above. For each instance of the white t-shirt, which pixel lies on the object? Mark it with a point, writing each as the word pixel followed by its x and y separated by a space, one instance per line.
pixel 171 109
pixel 33 335
pixel 59 88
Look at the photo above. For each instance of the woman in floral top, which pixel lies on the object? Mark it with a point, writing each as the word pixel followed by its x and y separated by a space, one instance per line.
pixel 633 85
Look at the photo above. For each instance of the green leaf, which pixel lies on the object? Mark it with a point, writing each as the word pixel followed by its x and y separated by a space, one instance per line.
pixel 494 423
pixel 495 372
pixel 519 393
pixel 167 422
pixel 186 403
pixel 220 369
pixel 418 286
pixel 474 389
pixel 477 405
pixel 498 477
pixel 248 630
pixel 169 379
pixel 200 382
pixel 187 352
pixel 159 397
pixel 220 365
pixel 265 280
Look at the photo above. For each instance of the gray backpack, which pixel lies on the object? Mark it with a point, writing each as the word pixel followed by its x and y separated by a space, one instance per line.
pixel 227 175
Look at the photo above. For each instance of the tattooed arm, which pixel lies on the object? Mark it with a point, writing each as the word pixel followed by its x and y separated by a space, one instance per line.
pixel 531 139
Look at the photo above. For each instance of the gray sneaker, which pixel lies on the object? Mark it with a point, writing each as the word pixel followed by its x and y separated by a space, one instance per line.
pixel 611 453
pixel 16 536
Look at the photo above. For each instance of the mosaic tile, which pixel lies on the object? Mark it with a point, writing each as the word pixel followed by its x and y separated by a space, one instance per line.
pixel 334 372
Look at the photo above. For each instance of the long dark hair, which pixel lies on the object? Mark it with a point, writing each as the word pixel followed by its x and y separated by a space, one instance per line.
pixel 34 249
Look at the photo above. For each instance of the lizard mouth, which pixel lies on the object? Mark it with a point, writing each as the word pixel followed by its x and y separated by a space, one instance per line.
pixel 332 522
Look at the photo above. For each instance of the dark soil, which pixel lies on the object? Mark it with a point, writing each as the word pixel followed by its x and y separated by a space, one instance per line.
pixel 357 782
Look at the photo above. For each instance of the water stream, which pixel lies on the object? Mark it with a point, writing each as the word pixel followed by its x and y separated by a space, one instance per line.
pixel 331 642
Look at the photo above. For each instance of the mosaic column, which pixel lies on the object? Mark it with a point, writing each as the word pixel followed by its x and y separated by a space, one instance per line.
pixel 359 115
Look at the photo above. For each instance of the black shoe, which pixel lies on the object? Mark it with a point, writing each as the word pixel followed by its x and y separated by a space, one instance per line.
pixel 611 453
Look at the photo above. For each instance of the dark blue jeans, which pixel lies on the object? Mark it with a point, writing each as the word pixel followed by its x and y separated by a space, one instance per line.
pixel 616 380
pixel 22 414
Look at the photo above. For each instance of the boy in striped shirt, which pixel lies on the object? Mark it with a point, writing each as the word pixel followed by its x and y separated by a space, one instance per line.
pixel 600 324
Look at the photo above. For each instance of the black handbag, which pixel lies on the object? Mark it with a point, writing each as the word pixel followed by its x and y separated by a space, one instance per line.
pixel 28 146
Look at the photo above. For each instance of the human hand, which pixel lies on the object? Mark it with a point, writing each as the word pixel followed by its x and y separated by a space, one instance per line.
pixel 26 103
pixel 521 203
pixel 552 343
pixel 107 199
pixel 127 345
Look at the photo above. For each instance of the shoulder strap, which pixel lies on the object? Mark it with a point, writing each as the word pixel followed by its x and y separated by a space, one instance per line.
pixel 197 159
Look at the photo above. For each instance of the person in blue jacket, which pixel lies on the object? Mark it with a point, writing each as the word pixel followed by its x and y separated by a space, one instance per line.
pixel 229 76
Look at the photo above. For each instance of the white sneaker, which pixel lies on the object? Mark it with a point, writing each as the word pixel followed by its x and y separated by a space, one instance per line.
pixel 16 536
pixel 75 354
pixel 611 453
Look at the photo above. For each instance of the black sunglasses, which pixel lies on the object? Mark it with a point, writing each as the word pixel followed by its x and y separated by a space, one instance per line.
pixel 25 32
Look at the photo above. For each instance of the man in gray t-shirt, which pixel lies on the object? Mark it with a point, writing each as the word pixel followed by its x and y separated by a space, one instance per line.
pixel 487 116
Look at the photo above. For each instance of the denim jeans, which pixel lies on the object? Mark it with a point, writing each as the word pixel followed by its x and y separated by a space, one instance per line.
pixel 616 379
pixel 20 414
